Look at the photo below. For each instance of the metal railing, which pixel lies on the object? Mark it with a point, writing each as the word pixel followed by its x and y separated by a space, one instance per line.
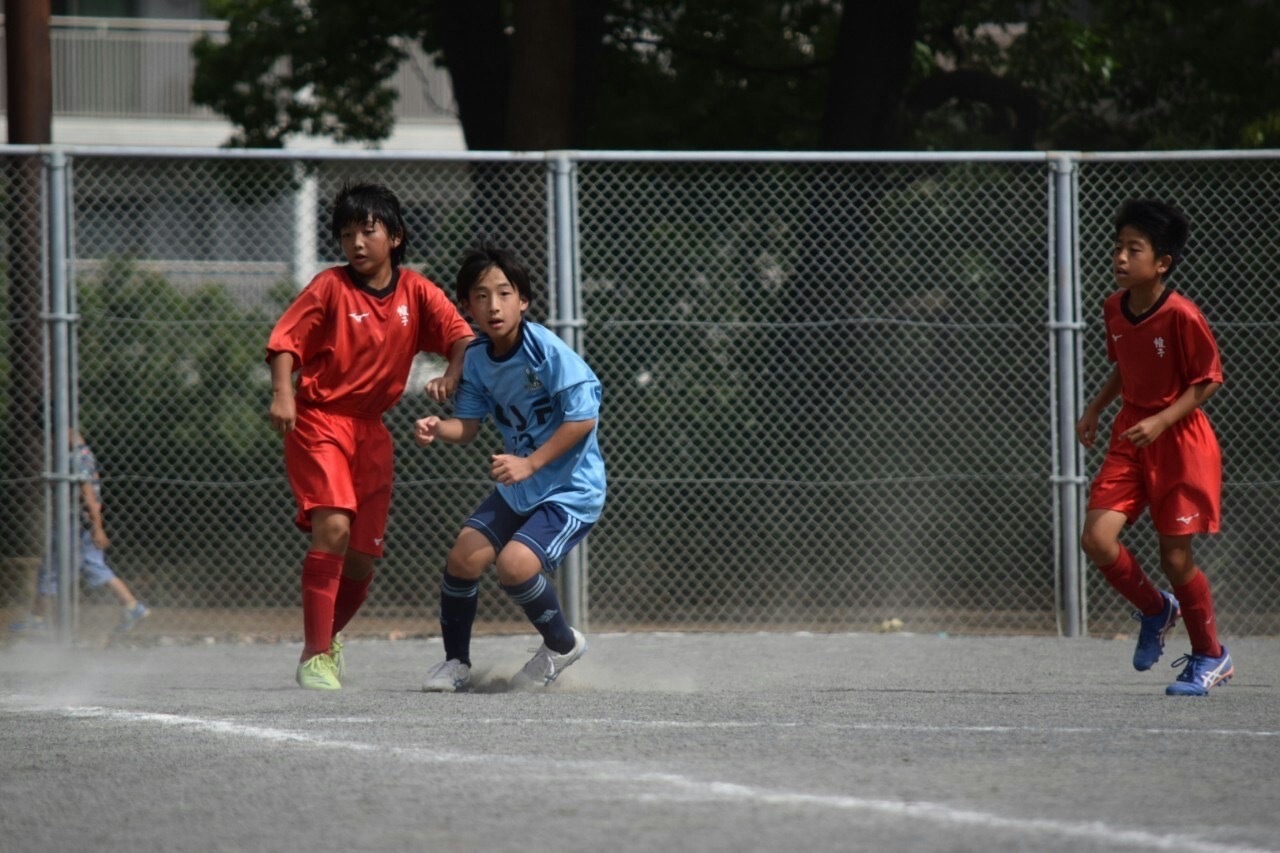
pixel 143 68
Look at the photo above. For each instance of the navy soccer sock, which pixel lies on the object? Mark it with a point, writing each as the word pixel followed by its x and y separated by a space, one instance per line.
pixel 457 614
pixel 540 603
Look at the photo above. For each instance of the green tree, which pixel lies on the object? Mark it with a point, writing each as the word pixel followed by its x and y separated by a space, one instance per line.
pixel 858 74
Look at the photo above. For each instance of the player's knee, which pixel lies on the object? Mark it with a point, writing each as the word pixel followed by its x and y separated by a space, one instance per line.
pixel 1099 547
pixel 331 532
pixel 465 563
pixel 516 566
pixel 1178 566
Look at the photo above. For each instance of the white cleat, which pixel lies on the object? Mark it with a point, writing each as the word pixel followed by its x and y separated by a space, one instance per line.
pixel 545 666
pixel 448 676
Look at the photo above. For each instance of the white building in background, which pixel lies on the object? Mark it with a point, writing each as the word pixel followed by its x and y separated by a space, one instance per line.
pixel 122 73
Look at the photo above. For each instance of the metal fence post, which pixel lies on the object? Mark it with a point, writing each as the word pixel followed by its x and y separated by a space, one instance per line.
pixel 567 321
pixel 58 395
pixel 1067 327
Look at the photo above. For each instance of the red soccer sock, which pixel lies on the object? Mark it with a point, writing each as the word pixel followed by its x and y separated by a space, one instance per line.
pixel 351 594
pixel 320 574
pixel 1128 579
pixel 1197 615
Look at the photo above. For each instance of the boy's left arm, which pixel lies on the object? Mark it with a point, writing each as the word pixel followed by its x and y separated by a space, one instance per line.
pixel 441 388
pixel 508 469
pixel 1148 430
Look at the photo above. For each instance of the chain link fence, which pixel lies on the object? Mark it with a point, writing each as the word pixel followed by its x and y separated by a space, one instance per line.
pixel 830 382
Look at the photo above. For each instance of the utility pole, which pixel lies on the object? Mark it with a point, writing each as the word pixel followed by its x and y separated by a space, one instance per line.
pixel 29 71
pixel 29 79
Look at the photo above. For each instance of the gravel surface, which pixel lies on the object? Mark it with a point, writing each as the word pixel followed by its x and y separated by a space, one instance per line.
pixel 697 742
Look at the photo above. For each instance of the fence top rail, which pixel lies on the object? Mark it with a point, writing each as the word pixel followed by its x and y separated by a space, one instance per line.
pixel 64 23
pixel 644 156
pixel 160 152
pixel 921 156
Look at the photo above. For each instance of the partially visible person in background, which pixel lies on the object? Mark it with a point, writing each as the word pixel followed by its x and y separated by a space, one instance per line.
pixel 93 545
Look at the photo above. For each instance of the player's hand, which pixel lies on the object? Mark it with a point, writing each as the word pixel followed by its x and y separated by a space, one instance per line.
pixel 509 470
pixel 101 539
pixel 1145 431
pixel 1087 428
pixel 284 414
pixel 441 388
pixel 425 430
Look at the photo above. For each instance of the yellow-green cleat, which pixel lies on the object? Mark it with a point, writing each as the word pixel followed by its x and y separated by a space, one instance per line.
pixel 335 652
pixel 318 673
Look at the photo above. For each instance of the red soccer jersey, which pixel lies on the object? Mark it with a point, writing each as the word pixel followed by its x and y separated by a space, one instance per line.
pixel 1160 353
pixel 355 346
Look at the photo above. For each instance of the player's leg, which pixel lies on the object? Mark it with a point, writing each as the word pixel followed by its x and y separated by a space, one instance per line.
pixel 471 554
pixel 525 567
pixel 134 610
pixel 97 573
pixel 1186 489
pixel 1209 663
pixel 321 575
pixel 1117 497
pixel 1192 589
pixel 372 477
pixel 316 454
pixel 1156 611
pixel 1101 543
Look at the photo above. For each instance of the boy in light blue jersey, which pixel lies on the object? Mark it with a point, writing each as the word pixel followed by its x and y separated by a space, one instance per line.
pixel 545 401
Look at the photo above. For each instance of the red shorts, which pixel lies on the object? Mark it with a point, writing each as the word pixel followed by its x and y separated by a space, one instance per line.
pixel 1179 475
pixel 341 462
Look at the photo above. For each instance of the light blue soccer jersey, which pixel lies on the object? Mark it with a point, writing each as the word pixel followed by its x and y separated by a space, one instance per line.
pixel 530 391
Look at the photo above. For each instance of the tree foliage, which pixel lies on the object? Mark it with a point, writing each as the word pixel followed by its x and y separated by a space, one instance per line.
pixel 772 74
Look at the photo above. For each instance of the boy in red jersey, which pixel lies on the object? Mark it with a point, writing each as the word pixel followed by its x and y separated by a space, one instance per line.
pixel 352 334
pixel 1163 452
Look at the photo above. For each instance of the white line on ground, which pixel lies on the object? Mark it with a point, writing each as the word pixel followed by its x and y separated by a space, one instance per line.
pixel 677 787
pixel 870 727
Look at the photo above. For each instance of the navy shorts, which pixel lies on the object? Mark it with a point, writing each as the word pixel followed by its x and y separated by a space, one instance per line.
pixel 548 530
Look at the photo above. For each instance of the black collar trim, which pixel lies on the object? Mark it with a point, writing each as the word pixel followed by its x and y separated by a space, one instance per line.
pixel 1135 319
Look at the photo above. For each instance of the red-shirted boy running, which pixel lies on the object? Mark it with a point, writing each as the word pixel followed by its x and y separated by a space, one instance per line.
pixel 1163 452
pixel 352 334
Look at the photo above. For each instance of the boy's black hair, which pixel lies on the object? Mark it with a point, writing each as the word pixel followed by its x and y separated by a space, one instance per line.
pixel 356 204
pixel 1164 226
pixel 478 260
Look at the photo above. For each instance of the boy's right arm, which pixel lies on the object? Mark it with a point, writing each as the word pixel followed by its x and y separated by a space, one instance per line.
pixel 94 508
pixel 448 430
pixel 284 411
pixel 1087 426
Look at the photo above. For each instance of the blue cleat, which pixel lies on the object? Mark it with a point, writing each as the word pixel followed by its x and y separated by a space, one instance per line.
pixel 1201 673
pixel 1152 633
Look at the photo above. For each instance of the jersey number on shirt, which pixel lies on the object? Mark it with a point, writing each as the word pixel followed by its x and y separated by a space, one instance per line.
pixel 513 418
